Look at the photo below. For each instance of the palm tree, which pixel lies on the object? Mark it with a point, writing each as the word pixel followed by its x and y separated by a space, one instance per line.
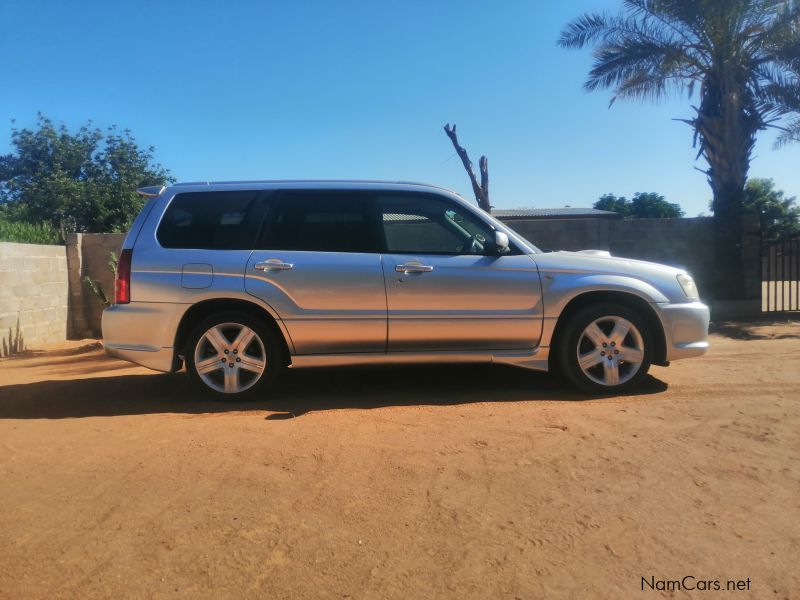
pixel 739 59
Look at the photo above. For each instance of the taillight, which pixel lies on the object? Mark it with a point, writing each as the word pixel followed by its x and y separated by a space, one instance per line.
pixel 122 280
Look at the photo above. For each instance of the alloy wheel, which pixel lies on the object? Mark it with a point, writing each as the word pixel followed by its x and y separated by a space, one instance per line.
pixel 230 358
pixel 610 351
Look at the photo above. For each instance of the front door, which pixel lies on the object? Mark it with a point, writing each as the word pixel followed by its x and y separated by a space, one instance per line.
pixel 446 287
pixel 319 269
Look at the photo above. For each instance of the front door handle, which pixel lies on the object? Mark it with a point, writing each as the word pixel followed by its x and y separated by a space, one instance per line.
pixel 273 264
pixel 413 267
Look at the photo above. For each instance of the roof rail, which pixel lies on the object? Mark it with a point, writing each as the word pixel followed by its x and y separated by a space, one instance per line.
pixel 301 181
pixel 151 191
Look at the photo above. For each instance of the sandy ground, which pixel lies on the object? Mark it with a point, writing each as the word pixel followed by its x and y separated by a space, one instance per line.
pixel 413 482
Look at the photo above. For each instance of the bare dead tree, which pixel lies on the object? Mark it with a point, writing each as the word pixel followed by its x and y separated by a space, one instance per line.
pixel 481 189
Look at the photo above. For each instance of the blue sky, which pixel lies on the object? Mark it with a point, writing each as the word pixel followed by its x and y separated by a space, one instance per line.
pixel 278 89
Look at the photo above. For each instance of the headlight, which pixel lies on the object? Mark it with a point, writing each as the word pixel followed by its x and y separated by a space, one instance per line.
pixel 688 286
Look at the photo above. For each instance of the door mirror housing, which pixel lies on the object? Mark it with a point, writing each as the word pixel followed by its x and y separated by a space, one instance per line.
pixel 501 242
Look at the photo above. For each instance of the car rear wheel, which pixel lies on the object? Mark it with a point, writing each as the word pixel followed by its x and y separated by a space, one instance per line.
pixel 234 356
pixel 605 349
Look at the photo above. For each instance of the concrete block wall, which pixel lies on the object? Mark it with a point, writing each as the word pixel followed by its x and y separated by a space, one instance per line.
pixel 88 255
pixel 33 296
pixel 563 234
pixel 685 243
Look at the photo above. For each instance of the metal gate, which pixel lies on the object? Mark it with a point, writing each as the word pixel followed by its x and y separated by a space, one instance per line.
pixel 780 274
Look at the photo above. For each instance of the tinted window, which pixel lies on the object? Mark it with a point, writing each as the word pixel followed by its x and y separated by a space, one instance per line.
pixel 322 222
pixel 213 220
pixel 427 225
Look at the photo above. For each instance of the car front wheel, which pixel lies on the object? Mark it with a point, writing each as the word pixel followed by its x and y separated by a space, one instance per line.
pixel 605 349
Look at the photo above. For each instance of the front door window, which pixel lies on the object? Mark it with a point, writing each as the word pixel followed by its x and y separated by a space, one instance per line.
pixel 426 225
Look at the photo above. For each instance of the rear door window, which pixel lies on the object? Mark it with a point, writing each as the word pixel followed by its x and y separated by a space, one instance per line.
pixel 321 221
pixel 227 220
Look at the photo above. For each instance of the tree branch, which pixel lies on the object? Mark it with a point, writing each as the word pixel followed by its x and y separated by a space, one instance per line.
pixel 483 167
pixel 481 190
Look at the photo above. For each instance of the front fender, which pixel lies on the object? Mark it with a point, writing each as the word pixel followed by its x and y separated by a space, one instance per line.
pixel 558 289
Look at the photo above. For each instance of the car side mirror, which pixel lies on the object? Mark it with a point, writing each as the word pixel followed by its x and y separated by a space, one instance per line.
pixel 501 242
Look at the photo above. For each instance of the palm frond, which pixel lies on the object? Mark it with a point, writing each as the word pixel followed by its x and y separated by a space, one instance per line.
pixel 786 53
pixel 778 89
pixel 775 27
pixel 744 54
pixel 606 29
pixel 648 86
pixel 586 29
pixel 686 16
pixel 789 134
pixel 632 62
pixel 680 17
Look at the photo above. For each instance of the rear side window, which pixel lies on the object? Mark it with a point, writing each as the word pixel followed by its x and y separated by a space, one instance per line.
pixel 213 220
pixel 321 221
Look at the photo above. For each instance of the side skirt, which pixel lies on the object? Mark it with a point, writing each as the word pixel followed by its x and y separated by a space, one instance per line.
pixel 535 359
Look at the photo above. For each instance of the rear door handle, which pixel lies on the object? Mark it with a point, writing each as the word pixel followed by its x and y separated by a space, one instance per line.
pixel 273 264
pixel 413 267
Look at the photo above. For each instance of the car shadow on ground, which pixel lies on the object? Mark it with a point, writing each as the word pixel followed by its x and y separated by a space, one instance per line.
pixel 299 392
pixel 756 328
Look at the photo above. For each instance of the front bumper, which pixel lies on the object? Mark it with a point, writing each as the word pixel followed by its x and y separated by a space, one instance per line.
pixel 685 328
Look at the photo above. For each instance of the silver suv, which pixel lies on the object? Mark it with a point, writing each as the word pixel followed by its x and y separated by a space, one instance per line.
pixel 238 280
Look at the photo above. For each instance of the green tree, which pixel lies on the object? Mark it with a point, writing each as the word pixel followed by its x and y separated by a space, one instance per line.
pixel 617 204
pixel 780 216
pixel 649 205
pixel 742 57
pixel 82 181
pixel 644 205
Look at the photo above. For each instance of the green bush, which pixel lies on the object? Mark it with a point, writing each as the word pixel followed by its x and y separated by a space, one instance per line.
pixel 95 287
pixel 28 233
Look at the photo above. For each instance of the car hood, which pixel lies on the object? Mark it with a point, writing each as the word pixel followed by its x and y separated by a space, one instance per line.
pixel 601 262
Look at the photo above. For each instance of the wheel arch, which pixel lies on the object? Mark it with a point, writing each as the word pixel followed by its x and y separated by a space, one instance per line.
pixel 201 310
pixel 627 299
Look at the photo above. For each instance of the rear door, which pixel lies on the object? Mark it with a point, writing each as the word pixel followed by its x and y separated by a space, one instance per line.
pixel 446 288
pixel 318 266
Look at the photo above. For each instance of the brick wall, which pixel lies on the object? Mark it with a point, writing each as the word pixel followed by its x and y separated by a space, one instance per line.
pixel 33 296
pixel 88 255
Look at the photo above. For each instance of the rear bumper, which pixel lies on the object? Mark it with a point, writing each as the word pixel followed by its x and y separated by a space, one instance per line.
pixel 685 329
pixel 158 359
pixel 142 333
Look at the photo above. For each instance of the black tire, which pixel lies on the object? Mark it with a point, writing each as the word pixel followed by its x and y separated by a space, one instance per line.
pixel 572 333
pixel 270 344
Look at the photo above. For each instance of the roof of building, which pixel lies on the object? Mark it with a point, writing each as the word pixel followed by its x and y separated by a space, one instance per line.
pixel 555 213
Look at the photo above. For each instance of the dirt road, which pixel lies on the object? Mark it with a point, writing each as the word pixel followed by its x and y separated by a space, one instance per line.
pixel 412 482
